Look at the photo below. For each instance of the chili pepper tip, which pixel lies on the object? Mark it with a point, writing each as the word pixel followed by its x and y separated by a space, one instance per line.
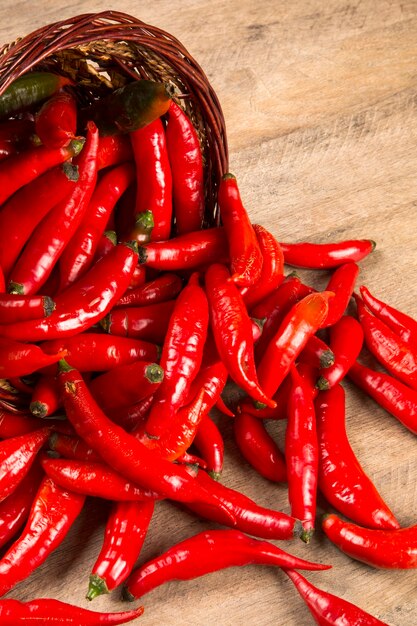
pixel 105 323
pixel 38 409
pixel 259 405
pixel 228 176
pixel 15 288
pixel 133 245
pixel 373 244
pixel 322 384
pixel 154 373
pixel 112 236
pixel 306 536
pixel 215 475
pixel 260 322
pixel 77 145
pixel 48 306
pixel 326 359
pixel 96 587
pixel 126 595
pixel 298 528
pixel 63 366
pixel 144 220
pixel 143 256
pixel 71 171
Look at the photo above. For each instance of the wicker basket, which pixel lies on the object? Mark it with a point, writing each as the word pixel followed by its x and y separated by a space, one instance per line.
pixel 103 51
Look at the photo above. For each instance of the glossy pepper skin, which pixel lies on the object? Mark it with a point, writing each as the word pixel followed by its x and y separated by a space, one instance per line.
pixel 29 89
pixel 244 250
pixel 44 611
pixel 208 552
pixel 391 351
pixel 232 331
pixel 186 162
pixel 19 359
pixel 51 516
pixel 342 283
pixel 162 288
pixel 346 340
pixel 342 480
pixel 71 447
pixel 181 357
pixel 56 122
pixel 45 398
pixel 85 303
pixel 328 609
pixel 147 323
pixel 209 442
pixel 14 308
pixel 388 549
pixel 326 255
pixel 125 533
pixel 395 397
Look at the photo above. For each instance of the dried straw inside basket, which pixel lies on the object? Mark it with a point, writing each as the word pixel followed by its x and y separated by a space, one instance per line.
pixel 103 51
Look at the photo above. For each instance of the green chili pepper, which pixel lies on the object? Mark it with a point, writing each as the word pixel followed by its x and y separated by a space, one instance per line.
pixel 30 89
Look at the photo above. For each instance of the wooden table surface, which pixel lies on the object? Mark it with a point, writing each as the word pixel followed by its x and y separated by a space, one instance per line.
pixel 320 100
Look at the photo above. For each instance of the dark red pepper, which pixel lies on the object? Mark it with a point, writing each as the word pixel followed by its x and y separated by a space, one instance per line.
pixel 148 323
pixel 162 288
pixel 56 122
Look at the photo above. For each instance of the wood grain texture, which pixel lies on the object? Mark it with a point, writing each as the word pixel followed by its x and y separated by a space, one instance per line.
pixel 320 100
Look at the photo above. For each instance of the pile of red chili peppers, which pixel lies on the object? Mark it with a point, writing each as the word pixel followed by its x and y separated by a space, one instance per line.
pixel 121 321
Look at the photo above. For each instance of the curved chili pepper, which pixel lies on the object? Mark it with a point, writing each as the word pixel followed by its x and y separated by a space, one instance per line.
pixel 21 169
pixel 391 351
pixel 126 384
pixel 132 417
pixel 85 303
pixel 402 324
pixel 78 255
pixel 328 609
pixel 130 107
pixel 12 425
pixel 301 454
pixel 300 323
pixel 244 250
pixel 342 480
pixel 326 255
pixel 20 359
pixel 390 549
pixel 138 278
pixel 317 353
pixel 15 508
pixel 208 552
pixel 272 273
pixel 162 288
pixel 192 459
pixel 113 150
pixel 342 283
pixel 258 447
pixel 346 339
pixel 395 397
pixel 51 516
pixel 72 448
pixel 45 399
pixel 56 121
pixel 148 323
pixel 93 352
pixel 122 451
pixel 54 233
pixel 209 442
pixel 125 533
pixel 232 331
pixel 106 243
pixel 29 89
pixel 14 308
pixel 181 356
pixel 186 161
pixel 94 478
pixel 16 458
pixel 152 165
pixel 187 251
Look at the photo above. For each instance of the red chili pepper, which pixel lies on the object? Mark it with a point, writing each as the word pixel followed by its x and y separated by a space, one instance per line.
pixel 127 384
pixel 317 353
pixel 2 281
pixel 402 324
pixel 212 376
pixel 346 340
pixel 390 549
pixel 21 169
pixel 132 417
pixel 45 399
pixel 395 397
pixel 7 149
pixel 301 454
pixel 244 250
pixel 342 283
pixel 281 397
pixel 259 448
pixel 152 165
pixel 54 233
pixel 94 479
pixel 19 359
pixel 16 131
pixel 15 508
pixel 106 243
pixel 113 150
pixel 326 255
pixel 390 350
pixel 192 459
pixel 14 308
pixel 122 451
pixel 51 516
pixel 72 448
pixel 138 279
pixel 92 352
pixel 328 609
pixel 13 425
pixel 148 323
pixel 272 273
pixel 208 552
pixel 342 480
pixel 186 162
pixel 209 442
pixel 125 533
pixel 162 288
pixel 232 331
pixel 188 251
pixel 56 122
pixel 300 323
pixel 21 385
pixel 78 255
pixel 181 356
pixel 13 613
pixel 85 303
